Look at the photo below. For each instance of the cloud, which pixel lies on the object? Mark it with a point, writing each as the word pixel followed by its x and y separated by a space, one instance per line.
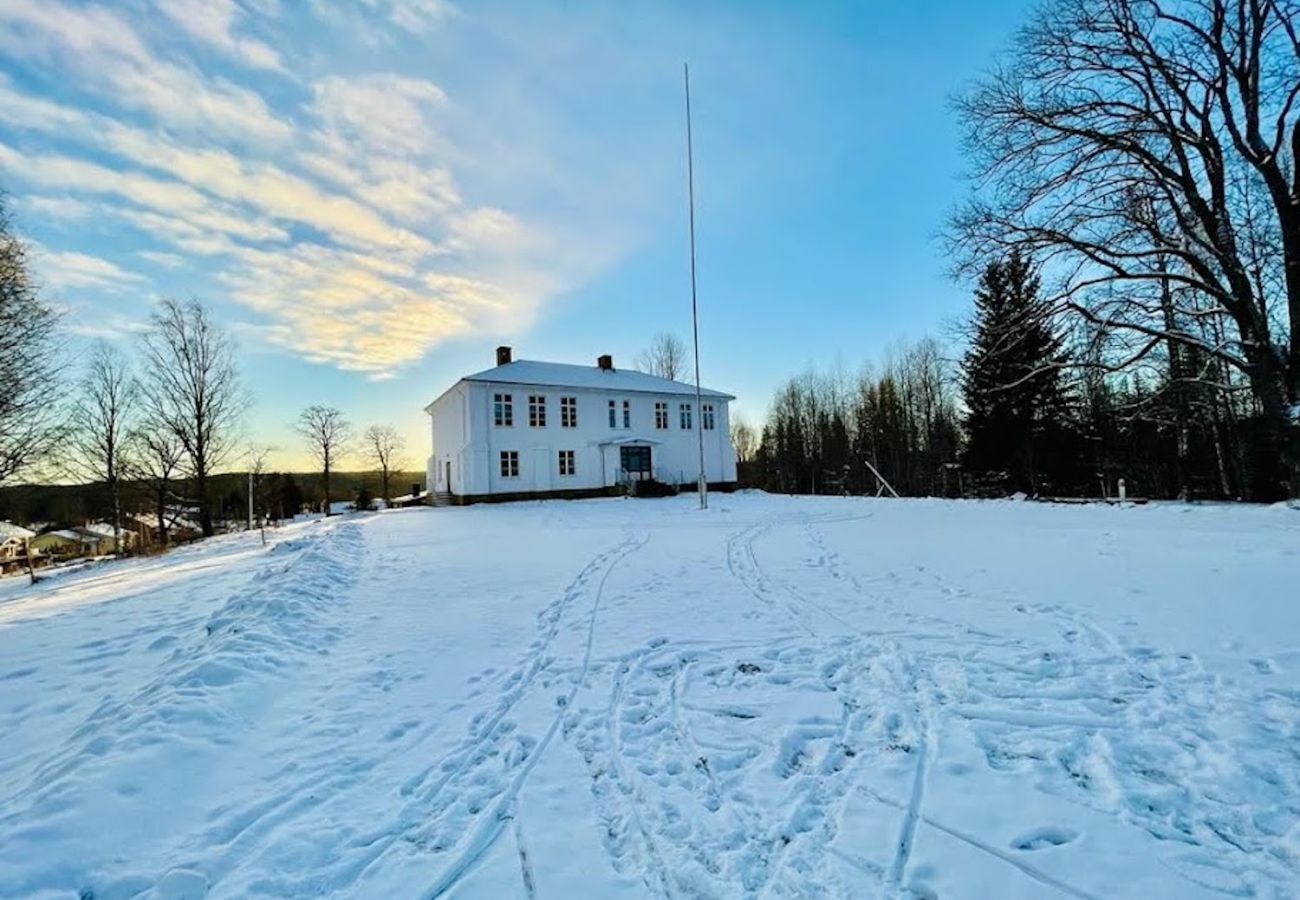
pixel 159 258
pixel 337 221
pixel 69 269
pixel 212 22
pixel 67 209
pixel 361 313
pixel 166 199
pixel 112 60
pixel 416 16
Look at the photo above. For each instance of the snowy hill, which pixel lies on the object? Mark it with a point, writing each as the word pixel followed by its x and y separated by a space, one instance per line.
pixel 777 697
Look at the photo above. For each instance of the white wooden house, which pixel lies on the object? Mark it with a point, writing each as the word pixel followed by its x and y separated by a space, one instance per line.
pixel 528 429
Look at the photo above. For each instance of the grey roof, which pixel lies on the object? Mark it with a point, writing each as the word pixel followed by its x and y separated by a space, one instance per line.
pixel 528 371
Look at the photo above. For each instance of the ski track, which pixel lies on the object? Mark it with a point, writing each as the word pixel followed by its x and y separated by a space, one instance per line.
pixel 1090 719
pixel 719 768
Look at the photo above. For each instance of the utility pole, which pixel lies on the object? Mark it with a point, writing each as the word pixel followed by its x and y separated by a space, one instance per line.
pixel 250 499
pixel 695 315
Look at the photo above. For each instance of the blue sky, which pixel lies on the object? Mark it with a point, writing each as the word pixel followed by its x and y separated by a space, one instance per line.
pixel 372 194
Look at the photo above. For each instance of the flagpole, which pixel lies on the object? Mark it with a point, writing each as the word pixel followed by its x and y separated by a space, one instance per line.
pixel 695 316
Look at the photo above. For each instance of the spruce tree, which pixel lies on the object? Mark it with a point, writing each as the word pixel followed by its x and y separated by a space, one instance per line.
pixel 1017 411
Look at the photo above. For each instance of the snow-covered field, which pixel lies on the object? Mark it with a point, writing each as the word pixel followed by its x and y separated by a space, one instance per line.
pixel 774 698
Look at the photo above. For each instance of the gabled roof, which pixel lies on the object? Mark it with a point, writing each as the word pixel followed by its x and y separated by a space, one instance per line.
pixel 99 529
pixel 549 374
pixel 10 531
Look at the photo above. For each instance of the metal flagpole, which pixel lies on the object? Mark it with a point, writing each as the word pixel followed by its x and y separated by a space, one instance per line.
pixel 695 316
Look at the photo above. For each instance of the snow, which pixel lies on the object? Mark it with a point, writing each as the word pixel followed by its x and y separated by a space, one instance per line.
pixel 11 532
pixel 779 697
pixel 549 374
pixel 100 529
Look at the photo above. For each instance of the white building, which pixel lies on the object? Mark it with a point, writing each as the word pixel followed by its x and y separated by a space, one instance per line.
pixel 528 428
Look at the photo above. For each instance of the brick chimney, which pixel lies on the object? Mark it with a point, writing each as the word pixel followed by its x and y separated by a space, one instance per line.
pixel 503 355
pixel 605 362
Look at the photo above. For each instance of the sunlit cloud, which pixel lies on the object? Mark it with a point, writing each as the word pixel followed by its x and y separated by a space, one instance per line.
pixel 213 22
pixel 334 217
pixel 101 46
pixel 67 269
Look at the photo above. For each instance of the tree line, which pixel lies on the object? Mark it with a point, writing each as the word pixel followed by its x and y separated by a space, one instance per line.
pixel 152 425
pixel 1133 234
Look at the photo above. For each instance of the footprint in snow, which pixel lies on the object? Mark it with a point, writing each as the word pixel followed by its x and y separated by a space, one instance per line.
pixel 1041 838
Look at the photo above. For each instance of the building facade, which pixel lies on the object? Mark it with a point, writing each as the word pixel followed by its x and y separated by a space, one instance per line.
pixel 530 429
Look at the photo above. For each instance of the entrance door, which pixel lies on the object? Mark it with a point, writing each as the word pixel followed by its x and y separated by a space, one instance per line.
pixel 635 461
pixel 447 483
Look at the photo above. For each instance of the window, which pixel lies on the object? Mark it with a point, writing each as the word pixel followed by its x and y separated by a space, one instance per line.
pixel 684 416
pixel 503 410
pixel 567 464
pixel 509 463
pixel 706 416
pixel 627 414
pixel 568 412
pixel 661 415
pixel 537 410
pixel 613 414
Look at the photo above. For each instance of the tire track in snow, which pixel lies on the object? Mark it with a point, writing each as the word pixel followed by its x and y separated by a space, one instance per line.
pixel 1094 701
pixel 743 566
pixel 489 827
pixel 419 820
pixel 925 752
pixel 1033 872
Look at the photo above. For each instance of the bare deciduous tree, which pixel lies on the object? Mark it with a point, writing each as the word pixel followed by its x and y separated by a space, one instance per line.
pixel 384 447
pixel 327 434
pixel 100 424
pixel 665 357
pixel 191 388
pixel 29 390
pixel 743 439
pixel 1147 154
pixel 155 459
pixel 259 485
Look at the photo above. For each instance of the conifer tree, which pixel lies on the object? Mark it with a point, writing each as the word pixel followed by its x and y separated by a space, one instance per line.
pixel 1017 411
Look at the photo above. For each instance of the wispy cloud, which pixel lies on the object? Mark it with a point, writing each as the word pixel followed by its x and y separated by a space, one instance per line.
pixel 113 60
pixel 336 218
pixel 212 22
pixel 67 269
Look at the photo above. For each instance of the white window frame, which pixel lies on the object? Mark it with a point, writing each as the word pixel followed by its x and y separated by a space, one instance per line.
pixel 661 415
pixel 627 413
pixel 706 416
pixel 568 412
pixel 684 419
pixel 536 410
pixel 503 410
pixel 613 414
pixel 509 464
pixel 568 463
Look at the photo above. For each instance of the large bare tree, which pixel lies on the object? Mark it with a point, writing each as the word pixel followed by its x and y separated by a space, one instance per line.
pixel 1147 154
pixel 29 371
pixel 384 446
pixel 100 424
pixel 665 357
pixel 191 388
pixel 327 434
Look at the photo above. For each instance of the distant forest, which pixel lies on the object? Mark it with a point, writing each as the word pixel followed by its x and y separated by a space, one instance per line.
pixel 1132 238
pixel 277 495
